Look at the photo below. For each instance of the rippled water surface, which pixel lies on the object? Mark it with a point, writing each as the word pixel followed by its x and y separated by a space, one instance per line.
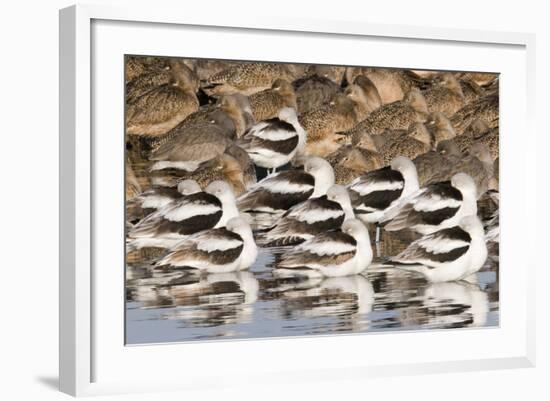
pixel 168 306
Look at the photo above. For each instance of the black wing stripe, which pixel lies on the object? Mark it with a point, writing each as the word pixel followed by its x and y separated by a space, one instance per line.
pixel 436 217
pixel 385 174
pixel 279 125
pixel 284 147
pixel 379 200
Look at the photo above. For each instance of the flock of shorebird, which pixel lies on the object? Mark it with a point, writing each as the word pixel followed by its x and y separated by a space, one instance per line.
pixel 240 155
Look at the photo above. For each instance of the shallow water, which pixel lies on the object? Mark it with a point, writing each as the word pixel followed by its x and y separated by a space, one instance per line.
pixel 173 306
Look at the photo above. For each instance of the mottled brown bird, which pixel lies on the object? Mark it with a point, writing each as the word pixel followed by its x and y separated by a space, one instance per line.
pixel 161 108
pixel 445 96
pixel 224 167
pixel 238 108
pixel 477 163
pixel 333 72
pixel 414 141
pixel 425 73
pixel 246 163
pixel 492 88
pixel 268 103
pixel 231 113
pixel 197 144
pixel 136 66
pixel 479 131
pixel 350 162
pixel 369 149
pixel 324 124
pixel 212 119
pixel 471 90
pixel 247 78
pixel 440 128
pixel 132 185
pixel 358 96
pixel 373 97
pixel 480 78
pixel 496 170
pixel 485 108
pixel 436 165
pixel 133 68
pixel 313 92
pixel 149 80
pixel 205 68
pixel 397 115
pixel 392 84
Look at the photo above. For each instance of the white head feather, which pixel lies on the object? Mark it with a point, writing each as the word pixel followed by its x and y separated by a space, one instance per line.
pixel 188 187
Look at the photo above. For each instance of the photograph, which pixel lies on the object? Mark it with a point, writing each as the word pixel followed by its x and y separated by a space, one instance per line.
pixel 267 199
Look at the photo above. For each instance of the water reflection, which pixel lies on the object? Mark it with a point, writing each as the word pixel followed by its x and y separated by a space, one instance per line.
pixel 181 305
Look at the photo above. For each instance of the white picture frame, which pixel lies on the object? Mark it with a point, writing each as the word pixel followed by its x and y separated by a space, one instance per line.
pixel 93 358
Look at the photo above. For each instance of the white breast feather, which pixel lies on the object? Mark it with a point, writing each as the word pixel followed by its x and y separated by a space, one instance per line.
pixel 431 203
pixel 155 201
pixel 190 210
pixel 189 166
pixel 367 208
pixel 218 244
pixel 283 187
pixel 327 247
pixel 274 135
pixel 364 188
pixel 263 152
pixel 441 245
pixel 316 215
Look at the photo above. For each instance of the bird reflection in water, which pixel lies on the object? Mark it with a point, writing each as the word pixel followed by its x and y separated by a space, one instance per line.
pixel 255 303
pixel 348 298
pixel 203 301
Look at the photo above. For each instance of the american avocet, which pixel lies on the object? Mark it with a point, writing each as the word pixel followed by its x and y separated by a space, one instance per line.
pixel 157 197
pixel 449 254
pixel 378 191
pixel 434 207
pixel 280 191
pixel 331 254
pixel 310 218
pixel 218 250
pixel 185 216
pixel 273 143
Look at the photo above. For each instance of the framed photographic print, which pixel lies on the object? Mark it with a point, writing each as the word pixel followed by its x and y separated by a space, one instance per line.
pixel 331 194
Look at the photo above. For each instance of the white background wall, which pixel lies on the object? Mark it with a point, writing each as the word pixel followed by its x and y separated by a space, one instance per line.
pixel 29 187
